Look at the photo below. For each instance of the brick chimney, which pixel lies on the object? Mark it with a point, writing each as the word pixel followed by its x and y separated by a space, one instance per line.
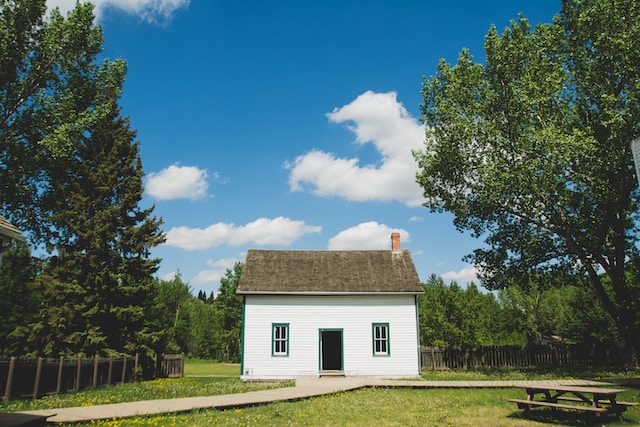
pixel 395 241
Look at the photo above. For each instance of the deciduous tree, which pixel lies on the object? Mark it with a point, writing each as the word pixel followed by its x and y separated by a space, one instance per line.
pixel 451 316
pixel 532 152
pixel 51 93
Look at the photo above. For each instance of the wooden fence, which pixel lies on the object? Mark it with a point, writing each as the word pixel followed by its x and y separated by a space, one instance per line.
pixel 170 366
pixel 33 378
pixel 435 358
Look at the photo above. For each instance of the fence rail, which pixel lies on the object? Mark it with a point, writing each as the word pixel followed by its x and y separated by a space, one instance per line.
pixel 436 358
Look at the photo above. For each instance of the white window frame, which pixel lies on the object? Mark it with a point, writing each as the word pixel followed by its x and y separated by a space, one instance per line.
pixel 278 341
pixel 381 340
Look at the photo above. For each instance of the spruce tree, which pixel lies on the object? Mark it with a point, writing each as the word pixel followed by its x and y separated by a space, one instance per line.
pixel 19 301
pixel 100 284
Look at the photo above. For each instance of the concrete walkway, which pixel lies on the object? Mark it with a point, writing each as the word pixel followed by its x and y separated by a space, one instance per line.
pixel 304 388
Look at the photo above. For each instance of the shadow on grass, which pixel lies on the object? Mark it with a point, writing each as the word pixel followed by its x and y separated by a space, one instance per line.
pixel 568 418
pixel 576 418
pixel 629 377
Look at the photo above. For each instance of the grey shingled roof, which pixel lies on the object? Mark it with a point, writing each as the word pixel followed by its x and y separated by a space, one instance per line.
pixel 8 231
pixel 328 272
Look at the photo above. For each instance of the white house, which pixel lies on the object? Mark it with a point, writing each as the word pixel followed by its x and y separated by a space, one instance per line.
pixel 314 313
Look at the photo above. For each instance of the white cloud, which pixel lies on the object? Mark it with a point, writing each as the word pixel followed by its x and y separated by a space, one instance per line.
pixel 178 182
pixel 147 10
pixel 365 236
pixel 263 231
pixel 214 275
pixel 466 275
pixel 380 119
pixel 169 276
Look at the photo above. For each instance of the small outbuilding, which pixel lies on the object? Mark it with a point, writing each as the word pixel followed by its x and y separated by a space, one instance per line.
pixel 316 313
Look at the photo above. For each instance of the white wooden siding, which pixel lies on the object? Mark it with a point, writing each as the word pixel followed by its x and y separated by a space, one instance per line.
pixel 306 315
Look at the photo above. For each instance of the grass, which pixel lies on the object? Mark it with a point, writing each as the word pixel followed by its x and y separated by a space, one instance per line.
pixel 387 407
pixel 363 407
pixel 530 373
pixel 204 368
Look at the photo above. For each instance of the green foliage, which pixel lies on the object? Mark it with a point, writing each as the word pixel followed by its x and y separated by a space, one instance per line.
pixel 450 316
pixel 170 312
pixel 51 92
pixel 19 299
pixel 204 330
pixel 532 152
pixel 229 306
pixel 99 285
pixel 201 329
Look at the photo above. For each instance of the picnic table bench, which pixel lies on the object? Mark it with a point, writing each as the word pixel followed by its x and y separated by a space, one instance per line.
pixel 596 400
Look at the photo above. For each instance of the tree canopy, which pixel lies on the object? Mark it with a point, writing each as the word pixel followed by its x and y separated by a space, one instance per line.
pixel 52 89
pixel 531 151
pixel 451 316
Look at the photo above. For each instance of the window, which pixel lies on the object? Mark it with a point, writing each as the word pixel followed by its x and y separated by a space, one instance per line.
pixel 381 339
pixel 280 339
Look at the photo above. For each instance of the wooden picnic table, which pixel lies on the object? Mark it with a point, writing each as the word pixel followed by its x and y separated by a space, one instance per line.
pixel 597 400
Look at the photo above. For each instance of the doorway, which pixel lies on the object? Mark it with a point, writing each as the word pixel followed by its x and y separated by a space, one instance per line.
pixel 331 357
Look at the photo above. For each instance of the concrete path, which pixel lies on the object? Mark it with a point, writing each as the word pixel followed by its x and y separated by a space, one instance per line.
pixel 304 388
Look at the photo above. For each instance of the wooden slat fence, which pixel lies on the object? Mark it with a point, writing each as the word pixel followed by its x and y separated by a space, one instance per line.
pixel 436 358
pixel 34 378
pixel 171 366
pixel 25 377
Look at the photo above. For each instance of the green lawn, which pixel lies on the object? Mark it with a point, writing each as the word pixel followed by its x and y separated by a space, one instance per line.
pixel 198 367
pixel 388 407
pixel 364 407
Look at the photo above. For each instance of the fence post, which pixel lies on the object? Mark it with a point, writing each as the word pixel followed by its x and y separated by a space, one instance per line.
pixel 95 371
pixel 7 388
pixel 36 383
pixel 78 374
pixel 124 368
pixel 110 369
pixel 135 367
pixel 433 358
pixel 158 364
pixel 59 382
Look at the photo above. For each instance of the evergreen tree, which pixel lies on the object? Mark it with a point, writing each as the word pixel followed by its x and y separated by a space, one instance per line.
pixel 18 299
pixel 100 285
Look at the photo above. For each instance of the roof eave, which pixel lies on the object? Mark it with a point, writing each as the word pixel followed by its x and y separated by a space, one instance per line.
pixel 8 234
pixel 323 293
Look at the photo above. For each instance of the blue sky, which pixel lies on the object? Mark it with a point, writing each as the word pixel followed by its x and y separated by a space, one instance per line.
pixel 290 124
